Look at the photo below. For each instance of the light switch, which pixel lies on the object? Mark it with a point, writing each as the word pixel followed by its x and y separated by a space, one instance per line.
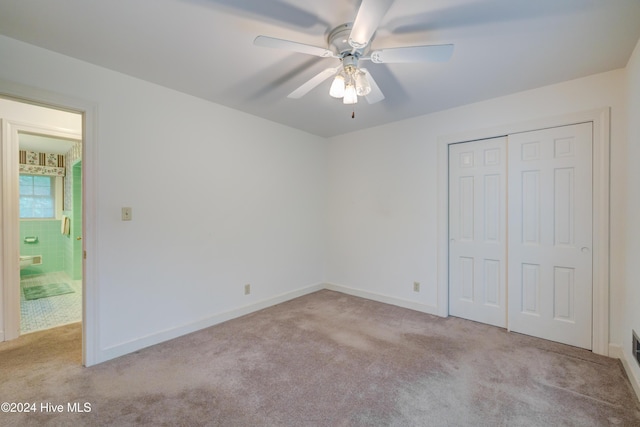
pixel 126 214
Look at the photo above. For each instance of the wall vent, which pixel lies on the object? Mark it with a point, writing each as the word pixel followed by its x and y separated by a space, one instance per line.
pixel 635 349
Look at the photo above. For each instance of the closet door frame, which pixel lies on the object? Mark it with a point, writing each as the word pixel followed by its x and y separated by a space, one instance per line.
pixel 601 142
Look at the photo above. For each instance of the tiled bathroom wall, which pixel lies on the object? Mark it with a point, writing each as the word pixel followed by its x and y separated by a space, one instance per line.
pixel 50 245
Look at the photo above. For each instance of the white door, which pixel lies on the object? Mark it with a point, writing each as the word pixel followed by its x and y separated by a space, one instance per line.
pixel 550 234
pixel 477 231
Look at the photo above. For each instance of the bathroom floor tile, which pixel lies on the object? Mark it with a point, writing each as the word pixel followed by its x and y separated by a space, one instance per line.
pixel 45 313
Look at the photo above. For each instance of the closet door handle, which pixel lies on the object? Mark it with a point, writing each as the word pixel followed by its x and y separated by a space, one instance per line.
pixel 585 249
pixel 79 238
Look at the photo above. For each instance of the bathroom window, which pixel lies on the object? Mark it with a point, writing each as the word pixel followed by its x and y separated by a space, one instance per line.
pixel 38 196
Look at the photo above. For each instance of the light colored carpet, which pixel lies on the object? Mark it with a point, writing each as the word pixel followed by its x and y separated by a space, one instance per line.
pixel 325 359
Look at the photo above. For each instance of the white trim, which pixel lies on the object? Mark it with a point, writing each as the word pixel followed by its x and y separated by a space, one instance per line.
pixel 89 110
pixel 412 305
pixel 169 334
pixel 601 142
pixel 10 234
pixel 90 292
pixel 601 227
pixel 616 351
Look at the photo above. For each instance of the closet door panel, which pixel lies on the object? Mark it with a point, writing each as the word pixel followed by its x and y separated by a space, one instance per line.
pixel 477 231
pixel 550 234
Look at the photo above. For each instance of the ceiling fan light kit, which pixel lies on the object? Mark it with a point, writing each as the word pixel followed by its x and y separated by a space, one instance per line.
pixel 350 95
pixel 350 43
pixel 363 88
pixel 338 86
pixel 347 84
pixel 350 82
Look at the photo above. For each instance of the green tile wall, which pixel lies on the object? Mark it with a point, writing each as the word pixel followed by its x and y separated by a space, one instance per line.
pixel 50 245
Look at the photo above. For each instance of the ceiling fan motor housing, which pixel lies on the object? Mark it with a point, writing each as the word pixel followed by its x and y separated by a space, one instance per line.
pixel 339 41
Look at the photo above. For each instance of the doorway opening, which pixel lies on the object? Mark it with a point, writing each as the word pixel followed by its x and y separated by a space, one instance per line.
pixel 42 201
pixel 50 210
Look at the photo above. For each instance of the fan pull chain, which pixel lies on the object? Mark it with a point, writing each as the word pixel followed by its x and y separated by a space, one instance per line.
pixel 353 114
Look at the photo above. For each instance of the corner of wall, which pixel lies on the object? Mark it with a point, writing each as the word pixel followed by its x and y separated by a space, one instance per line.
pixel 168 334
pixel 617 352
pixel 412 305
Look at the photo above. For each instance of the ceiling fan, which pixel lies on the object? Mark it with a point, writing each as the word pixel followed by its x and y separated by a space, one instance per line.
pixel 350 43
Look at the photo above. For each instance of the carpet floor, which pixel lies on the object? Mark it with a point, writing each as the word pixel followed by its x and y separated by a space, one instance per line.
pixel 324 359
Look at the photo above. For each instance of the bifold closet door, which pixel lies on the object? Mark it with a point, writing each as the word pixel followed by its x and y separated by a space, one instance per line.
pixel 477 231
pixel 550 234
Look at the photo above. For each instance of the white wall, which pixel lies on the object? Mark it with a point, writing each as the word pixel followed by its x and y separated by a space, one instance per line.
pixel 220 199
pixel 383 190
pixel 631 299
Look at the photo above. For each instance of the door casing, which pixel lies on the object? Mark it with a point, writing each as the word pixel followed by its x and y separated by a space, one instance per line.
pixel 9 253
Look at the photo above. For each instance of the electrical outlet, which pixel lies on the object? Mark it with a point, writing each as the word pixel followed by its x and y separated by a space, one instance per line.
pixel 247 289
pixel 416 286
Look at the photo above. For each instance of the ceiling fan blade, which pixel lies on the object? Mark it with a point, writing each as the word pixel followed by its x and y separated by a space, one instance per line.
pixel 311 84
pixel 376 94
pixel 265 41
pixel 429 53
pixel 367 20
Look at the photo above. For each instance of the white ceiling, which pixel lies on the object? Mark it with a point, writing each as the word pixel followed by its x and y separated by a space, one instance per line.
pixel 205 48
pixel 44 144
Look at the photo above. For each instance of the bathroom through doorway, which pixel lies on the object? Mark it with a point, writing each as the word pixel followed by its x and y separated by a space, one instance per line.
pixel 43 196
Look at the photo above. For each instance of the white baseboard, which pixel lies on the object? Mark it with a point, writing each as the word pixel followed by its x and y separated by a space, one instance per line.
pixel 412 305
pixel 628 364
pixel 169 334
pixel 615 351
